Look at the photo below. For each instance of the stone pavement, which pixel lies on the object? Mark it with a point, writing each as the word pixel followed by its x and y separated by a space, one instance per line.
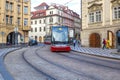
pixel 87 50
pixel 3 73
pixel 110 53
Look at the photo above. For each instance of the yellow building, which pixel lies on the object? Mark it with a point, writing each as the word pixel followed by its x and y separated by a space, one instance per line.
pixel 100 20
pixel 14 21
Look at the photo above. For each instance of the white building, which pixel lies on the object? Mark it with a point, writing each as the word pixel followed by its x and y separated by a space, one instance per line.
pixel 54 15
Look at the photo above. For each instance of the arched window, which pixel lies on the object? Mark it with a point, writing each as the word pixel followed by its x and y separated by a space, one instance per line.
pixel 40 39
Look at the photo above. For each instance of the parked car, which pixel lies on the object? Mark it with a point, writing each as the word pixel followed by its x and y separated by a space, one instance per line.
pixel 32 42
pixel 47 41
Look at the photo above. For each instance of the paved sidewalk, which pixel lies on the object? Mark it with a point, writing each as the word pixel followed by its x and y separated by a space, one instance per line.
pixel 97 51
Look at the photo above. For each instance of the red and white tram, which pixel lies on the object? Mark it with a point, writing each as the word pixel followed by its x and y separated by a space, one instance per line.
pixel 60 38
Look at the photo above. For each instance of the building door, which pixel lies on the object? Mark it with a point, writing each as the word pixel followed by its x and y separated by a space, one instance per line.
pixel 40 39
pixel 36 38
pixel 118 39
pixel 111 38
pixel 94 40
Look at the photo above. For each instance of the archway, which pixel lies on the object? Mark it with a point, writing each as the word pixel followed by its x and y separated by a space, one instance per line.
pixel 94 40
pixel 36 38
pixel 13 38
pixel 111 38
pixel 40 39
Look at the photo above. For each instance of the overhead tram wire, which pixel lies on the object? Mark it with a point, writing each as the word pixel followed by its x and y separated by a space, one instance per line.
pixel 53 1
pixel 68 2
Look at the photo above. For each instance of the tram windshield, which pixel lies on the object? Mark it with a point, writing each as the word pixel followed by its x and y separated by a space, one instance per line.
pixel 59 35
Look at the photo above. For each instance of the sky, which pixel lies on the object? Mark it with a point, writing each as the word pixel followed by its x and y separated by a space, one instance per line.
pixel 72 4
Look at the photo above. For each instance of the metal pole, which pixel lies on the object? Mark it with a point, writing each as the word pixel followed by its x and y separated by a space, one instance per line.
pixel 2 33
pixel 2 40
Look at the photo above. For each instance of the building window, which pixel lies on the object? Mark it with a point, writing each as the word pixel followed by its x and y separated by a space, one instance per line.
pixel 31 22
pixel 31 29
pixel 58 19
pixel 91 17
pixel 11 19
pixel 58 12
pixel 35 29
pixel 18 8
pixel 25 21
pixel 44 20
pixel 98 16
pixel 116 12
pixel 18 21
pixel 11 6
pixel 95 17
pixel 35 22
pixel 51 12
pixel 7 19
pixel 40 29
pixel 39 21
pixel 7 5
pixel 25 9
pixel 44 29
pixel 51 19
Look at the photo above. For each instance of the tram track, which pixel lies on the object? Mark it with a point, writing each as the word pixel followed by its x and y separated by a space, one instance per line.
pixel 57 66
pixel 81 69
pixel 67 68
pixel 23 68
pixel 107 63
pixel 56 77
pixel 48 77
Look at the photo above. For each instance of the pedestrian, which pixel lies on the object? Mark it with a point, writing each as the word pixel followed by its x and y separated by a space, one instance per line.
pixel 78 43
pixel 108 44
pixel 104 44
pixel 74 43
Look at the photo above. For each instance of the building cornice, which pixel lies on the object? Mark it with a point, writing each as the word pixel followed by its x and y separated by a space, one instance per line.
pixel 95 7
pixel 103 27
pixel 115 3
pixel 94 1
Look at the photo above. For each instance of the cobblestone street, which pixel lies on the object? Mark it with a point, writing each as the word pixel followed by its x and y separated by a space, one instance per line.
pixel 35 63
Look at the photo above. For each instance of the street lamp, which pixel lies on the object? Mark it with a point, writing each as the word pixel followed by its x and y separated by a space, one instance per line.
pixel 2 33
pixel 16 35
